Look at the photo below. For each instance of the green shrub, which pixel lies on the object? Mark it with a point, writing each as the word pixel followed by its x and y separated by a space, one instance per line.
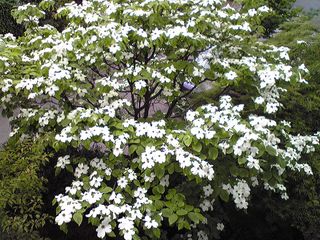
pixel 282 11
pixel 299 216
pixel 7 23
pixel 21 189
pixel 302 108
pixel 301 103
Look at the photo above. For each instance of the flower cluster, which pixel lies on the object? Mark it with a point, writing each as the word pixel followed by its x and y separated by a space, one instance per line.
pixel 240 193
pixel 105 203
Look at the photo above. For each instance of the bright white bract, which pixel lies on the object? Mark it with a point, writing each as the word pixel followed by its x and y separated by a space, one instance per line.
pixel 109 91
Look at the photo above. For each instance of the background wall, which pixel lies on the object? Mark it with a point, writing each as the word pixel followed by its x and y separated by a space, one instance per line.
pixel 4 129
pixel 308 4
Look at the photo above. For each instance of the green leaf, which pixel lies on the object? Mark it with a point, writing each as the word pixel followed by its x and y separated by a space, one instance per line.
pixel 181 212
pixel 64 228
pixel 271 150
pixel 173 218
pixel 69 168
pixel 158 204
pixel 201 217
pixel 156 232
pixel 132 148
pixel 197 147
pixel 159 171
pixel 155 190
pixel 224 195
pixel 242 160
pixel 234 171
pixel 171 168
pixel 180 226
pixel 161 189
pixel 282 162
pixel 187 140
pixel 87 144
pixel 94 221
pixel 171 193
pixel 188 208
pixel 77 217
pixel 243 172
pixel 187 225
pixel 267 175
pixel 57 171
pixel 106 118
pixel 213 153
pixel 166 212
pixel 56 146
pixel 136 237
pixel 140 150
pixel 54 201
pixel 111 234
pixel 193 217
pixel 105 189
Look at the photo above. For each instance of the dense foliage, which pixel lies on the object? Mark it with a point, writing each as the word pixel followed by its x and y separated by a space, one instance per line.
pixel 302 102
pixel 111 92
pixel 283 11
pixel 22 189
pixel 298 217
pixel 302 109
pixel 7 23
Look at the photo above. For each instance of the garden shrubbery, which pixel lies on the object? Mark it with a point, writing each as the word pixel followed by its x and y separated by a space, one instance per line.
pixel 22 187
pixel 298 217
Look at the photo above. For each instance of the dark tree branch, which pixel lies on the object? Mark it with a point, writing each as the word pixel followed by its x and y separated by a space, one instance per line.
pixel 146 103
pixel 96 70
pixel 151 56
pixel 131 114
pixel 136 112
pixel 177 99
pixel 113 66
pixel 67 100
pixel 224 90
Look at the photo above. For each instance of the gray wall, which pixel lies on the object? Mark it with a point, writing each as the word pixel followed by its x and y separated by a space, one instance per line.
pixel 308 4
pixel 4 130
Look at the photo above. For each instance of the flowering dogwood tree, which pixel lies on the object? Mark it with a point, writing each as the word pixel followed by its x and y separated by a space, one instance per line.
pixel 111 91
